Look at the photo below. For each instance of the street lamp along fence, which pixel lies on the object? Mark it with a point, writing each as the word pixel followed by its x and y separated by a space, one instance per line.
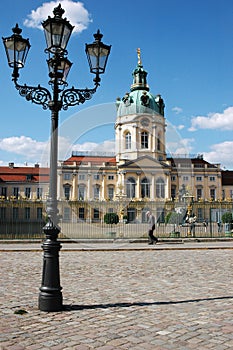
pixel 57 34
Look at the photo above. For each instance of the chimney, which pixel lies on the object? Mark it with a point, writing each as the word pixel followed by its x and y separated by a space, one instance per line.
pixel 11 165
pixel 37 165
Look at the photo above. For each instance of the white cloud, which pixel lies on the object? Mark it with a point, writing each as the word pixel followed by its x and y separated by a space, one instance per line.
pixel 180 147
pixel 177 110
pixel 221 153
pixel 180 127
pixel 75 12
pixel 23 145
pixel 32 151
pixel 106 146
pixel 220 121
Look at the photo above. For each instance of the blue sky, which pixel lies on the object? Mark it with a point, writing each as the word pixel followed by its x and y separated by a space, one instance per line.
pixel 186 48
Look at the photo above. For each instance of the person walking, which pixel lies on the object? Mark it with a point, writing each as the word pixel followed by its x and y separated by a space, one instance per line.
pixel 151 223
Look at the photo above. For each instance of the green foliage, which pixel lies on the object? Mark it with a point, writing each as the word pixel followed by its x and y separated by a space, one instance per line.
pixel 111 218
pixel 172 218
pixel 227 217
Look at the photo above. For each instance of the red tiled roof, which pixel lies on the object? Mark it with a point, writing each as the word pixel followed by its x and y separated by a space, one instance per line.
pixel 19 174
pixel 91 159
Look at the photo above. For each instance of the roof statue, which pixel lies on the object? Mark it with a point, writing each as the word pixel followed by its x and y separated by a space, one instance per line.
pixel 139 56
pixel 139 99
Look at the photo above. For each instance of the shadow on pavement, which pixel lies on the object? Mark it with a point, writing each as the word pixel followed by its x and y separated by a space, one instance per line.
pixel 128 304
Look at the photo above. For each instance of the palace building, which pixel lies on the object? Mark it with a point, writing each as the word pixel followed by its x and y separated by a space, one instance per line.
pixel 140 175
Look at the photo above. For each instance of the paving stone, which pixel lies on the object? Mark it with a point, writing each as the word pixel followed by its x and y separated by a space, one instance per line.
pixel 128 299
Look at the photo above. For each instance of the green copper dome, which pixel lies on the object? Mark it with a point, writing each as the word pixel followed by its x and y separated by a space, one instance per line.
pixel 139 100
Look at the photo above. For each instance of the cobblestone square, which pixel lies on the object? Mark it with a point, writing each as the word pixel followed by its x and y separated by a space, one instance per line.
pixel 121 299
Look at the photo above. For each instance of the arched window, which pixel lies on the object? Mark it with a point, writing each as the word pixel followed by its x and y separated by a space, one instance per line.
pixel 145 188
pixel 96 192
pixel 144 139
pixel 160 188
pixel 67 192
pixel 159 143
pixel 81 192
pixel 130 187
pixel 127 140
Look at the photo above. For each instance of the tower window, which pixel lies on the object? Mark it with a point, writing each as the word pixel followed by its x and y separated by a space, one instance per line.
pixel 128 140
pixel 144 139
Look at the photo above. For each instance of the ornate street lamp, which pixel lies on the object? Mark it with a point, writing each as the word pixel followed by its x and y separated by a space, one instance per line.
pixel 57 33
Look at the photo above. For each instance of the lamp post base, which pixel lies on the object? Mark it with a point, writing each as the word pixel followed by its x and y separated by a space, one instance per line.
pixel 50 302
pixel 50 296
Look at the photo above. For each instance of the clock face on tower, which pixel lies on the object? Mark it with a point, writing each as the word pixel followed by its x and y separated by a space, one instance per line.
pixel 145 122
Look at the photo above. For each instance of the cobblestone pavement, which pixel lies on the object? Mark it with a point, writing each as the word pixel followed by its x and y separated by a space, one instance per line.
pixel 154 299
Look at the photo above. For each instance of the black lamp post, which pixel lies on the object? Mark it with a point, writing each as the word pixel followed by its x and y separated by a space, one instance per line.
pixel 57 33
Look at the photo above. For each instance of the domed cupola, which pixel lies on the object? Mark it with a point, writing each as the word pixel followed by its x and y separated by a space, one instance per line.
pixel 139 100
pixel 140 123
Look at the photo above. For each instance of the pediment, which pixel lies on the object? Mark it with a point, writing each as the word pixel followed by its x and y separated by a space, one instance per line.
pixel 144 162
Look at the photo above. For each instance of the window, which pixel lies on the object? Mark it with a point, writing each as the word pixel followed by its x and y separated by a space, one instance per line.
pixel 67 192
pixel 212 193
pixel 27 213
pixel 15 213
pixel 173 192
pixel 145 188
pixel 144 139
pixel 128 140
pixel 185 178
pixel 110 192
pixel 199 193
pixel 29 177
pixel 130 187
pixel 96 176
pixel 3 192
pixel 199 178
pixel 66 216
pixel 81 176
pixel 81 213
pixel 27 192
pixel 110 177
pixel 39 213
pixel 160 188
pixel 231 194
pixel 212 178
pixel 200 214
pixel 16 192
pixel 39 193
pixel 67 176
pixel 173 177
pixel 96 191
pixel 96 214
pixel 81 192
pixel 158 143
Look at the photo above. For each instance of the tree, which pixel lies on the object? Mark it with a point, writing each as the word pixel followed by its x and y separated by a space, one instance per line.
pixel 111 218
pixel 227 217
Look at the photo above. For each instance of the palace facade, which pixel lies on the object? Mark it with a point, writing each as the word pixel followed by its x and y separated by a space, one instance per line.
pixel 138 177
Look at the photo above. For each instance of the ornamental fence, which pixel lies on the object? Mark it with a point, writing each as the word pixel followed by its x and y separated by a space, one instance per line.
pixel 85 220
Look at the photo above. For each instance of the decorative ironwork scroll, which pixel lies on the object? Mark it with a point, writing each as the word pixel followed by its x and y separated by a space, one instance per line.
pixel 35 94
pixel 72 97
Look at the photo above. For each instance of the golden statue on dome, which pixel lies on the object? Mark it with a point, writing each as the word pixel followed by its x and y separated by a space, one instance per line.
pixel 139 56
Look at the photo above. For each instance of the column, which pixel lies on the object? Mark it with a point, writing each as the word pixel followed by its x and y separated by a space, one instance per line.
pixel 152 196
pixel 89 193
pixel 103 194
pixel 74 187
pixel 138 185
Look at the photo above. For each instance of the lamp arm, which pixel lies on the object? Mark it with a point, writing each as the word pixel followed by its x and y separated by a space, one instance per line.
pixel 35 94
pixel 72 97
